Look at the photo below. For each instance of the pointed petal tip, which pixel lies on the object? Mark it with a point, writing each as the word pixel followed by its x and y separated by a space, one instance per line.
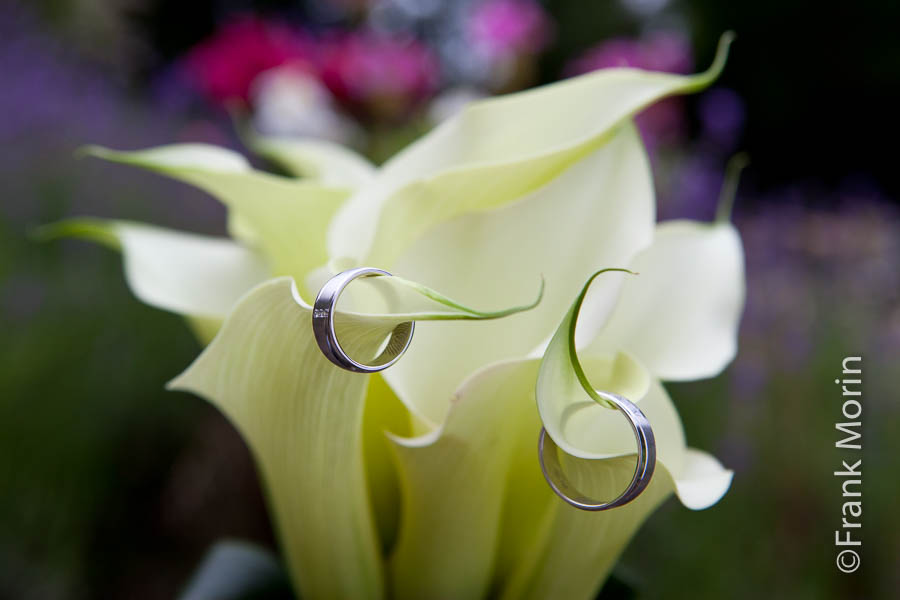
pixel 177 384
pixel 92 150
pixel 703 480
pixel 722 52
pixel 705 78
pixel 171 158
pixel 419 441
pixel 86 228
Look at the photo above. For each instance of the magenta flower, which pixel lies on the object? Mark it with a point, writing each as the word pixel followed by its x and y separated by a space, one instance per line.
pixel 666 51
pixel 504 28
pixel 378 75
pixel 224 66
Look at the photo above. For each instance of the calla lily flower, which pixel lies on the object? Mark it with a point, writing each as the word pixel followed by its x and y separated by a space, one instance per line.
pixel 423 481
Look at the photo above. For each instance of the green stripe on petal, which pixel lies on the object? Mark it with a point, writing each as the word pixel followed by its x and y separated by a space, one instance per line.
pixel 494 152
pixel 286 217
pixel 303 419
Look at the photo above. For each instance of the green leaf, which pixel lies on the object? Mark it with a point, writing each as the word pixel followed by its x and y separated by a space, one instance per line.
pixel 286 217
pixel 494 152
pixel 302 418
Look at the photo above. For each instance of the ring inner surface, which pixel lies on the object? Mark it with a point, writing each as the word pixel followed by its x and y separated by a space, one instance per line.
pixel 388 350
pixel 618 468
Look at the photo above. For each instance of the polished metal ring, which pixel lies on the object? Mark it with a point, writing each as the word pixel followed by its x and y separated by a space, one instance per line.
pixel 643 470
pixel 326 338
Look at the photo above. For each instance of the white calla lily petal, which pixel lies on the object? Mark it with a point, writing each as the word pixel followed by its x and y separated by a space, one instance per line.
pixel 475 485
pixel 573 551
pixel 494 152
pixel 202 157
pixel 325 161
pixel 477 513
pixel 286 217
pixel 702 480
pixel 579 421
pixel 453 481
pixel 680 316
pixel 302 417
pixel 599 212
pixel 189 274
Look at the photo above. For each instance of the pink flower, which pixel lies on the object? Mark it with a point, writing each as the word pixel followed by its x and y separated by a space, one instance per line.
pixel 660 51
pixel 503 28
pixel 225 65
pixel 381 76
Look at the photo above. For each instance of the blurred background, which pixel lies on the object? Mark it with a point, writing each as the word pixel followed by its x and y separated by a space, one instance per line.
pixel 111 487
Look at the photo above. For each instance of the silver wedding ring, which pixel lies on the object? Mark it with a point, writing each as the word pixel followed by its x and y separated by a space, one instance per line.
pixel 326 338
pixel 643 470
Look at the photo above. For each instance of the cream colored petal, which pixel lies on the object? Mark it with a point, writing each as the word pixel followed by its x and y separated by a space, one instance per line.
pixel 598 213
pixel 494 152
pixel 189 274
pixel 570 552
pixel 324 161
pixel 287 218
pixel 453 483
pixel 205 157
pixel 580 421
pixel 303 419
pixel 573 551
pixel 680 316
pixel 702 480
pixel 301 416
pixel 479 520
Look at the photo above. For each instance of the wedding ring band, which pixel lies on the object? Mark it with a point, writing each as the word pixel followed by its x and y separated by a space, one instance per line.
pixel 643 470
pixel 326 338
